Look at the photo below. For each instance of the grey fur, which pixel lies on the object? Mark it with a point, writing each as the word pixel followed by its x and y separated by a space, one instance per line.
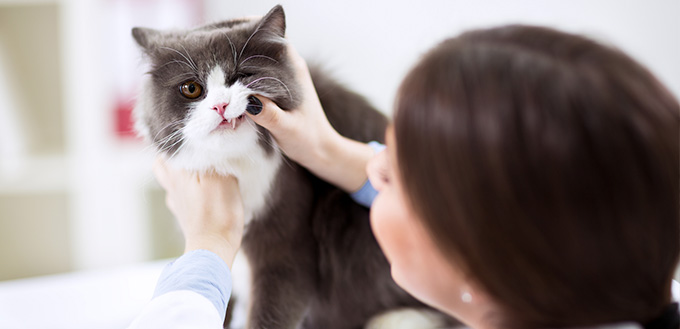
pixel 314 260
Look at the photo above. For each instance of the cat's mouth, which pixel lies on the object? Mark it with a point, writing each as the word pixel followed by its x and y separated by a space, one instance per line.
pixel 232 123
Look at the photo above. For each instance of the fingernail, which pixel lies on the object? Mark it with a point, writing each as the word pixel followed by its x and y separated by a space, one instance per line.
pixel 254 105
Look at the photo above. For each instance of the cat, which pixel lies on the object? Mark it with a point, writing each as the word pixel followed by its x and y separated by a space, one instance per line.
pixel 313 259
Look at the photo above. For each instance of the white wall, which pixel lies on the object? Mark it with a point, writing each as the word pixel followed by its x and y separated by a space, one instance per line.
pixel 371 44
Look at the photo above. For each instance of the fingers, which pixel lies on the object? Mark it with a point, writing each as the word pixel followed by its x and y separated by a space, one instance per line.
pixel 160 170
pixel 227 183
pixel 170 178
pixel 299 63
pixel 163 176
pixel 301 68
pixel 270 115
pixel 376 170
pixel 170 203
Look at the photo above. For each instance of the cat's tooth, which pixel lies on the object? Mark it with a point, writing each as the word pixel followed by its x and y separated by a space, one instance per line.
pixel 233 124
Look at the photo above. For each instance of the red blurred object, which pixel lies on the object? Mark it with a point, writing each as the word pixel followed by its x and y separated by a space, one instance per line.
pixel 124 54
pixel 125 125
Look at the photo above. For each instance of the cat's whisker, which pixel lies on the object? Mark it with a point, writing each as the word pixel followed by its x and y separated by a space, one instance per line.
pixel 153 143
pixel 151 146
pixel 246 44
pixel 164 147
pixel 176 61
pixel 180 121
pixel 145 149
pixel 178 149
pixel 185 58
pixel 166 138
pixel 233 48
pixel 290 95
pixel 185 74
pixel 191 60
pixel 167 148
pixel 173 144
pixel 171 135
pixel 179 78
pixel 258 56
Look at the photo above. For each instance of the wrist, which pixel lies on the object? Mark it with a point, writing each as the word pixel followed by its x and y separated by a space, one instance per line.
pixel 341 161
pixel 220 246
pixel 329 149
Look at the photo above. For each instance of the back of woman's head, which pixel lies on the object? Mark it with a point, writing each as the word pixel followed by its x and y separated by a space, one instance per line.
pixel 545 165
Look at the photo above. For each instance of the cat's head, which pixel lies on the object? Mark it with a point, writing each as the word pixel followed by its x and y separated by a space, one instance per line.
pixel 192 104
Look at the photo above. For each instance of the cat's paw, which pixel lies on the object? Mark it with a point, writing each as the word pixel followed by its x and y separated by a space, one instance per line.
pixel 407 318
pixel 240 272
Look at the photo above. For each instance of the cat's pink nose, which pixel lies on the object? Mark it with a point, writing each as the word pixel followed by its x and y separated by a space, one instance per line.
pixel 220 108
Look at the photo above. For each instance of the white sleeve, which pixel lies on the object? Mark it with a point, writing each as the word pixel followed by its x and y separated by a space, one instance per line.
pixel 181 309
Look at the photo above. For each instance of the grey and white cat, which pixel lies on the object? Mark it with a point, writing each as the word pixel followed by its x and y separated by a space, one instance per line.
pixel 313 260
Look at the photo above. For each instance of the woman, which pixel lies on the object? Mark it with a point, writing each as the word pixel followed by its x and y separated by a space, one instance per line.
pixel 530 181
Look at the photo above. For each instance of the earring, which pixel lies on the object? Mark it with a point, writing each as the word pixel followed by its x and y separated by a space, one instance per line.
pixel 466 296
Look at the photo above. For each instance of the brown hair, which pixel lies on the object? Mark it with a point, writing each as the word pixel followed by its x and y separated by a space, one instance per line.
pixel 545 165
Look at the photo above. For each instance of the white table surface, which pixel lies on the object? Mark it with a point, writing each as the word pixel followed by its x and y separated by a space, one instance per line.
pixel 100 299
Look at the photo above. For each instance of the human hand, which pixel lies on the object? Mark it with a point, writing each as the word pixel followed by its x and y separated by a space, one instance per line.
pixel 305 135
pixel 302 132
pixel 208 208
pixel 377 171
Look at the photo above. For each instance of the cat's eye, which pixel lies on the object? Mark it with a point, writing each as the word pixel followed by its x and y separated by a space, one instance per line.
pixel 191 89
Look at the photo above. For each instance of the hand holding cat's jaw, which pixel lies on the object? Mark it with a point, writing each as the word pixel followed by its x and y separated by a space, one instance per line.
pixel 207 206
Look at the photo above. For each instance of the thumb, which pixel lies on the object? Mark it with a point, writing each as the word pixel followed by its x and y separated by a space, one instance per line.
pixel 265 112
pixel 160 170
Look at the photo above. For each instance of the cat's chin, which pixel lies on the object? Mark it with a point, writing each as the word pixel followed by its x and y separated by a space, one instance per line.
pixel 219 150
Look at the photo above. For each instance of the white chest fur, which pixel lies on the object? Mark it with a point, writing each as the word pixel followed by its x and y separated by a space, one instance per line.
pixel 255 172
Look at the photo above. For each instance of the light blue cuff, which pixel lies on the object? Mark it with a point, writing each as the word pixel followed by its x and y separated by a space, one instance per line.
pixel 367 193
pixel 377 146
pixel 201 271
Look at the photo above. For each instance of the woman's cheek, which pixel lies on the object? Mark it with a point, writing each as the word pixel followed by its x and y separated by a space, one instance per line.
pixel 392 231
pixel 379 222
pixel 414 260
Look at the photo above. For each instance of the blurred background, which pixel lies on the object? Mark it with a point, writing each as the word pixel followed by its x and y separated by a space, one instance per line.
pixel 76 190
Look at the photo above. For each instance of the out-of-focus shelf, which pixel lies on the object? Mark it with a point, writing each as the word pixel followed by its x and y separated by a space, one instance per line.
pixel 31 77
pixel 39 174
pixel 27 2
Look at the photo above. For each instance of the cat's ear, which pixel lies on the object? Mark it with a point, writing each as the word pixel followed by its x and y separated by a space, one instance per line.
pixel 145 37
pixel 274 23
